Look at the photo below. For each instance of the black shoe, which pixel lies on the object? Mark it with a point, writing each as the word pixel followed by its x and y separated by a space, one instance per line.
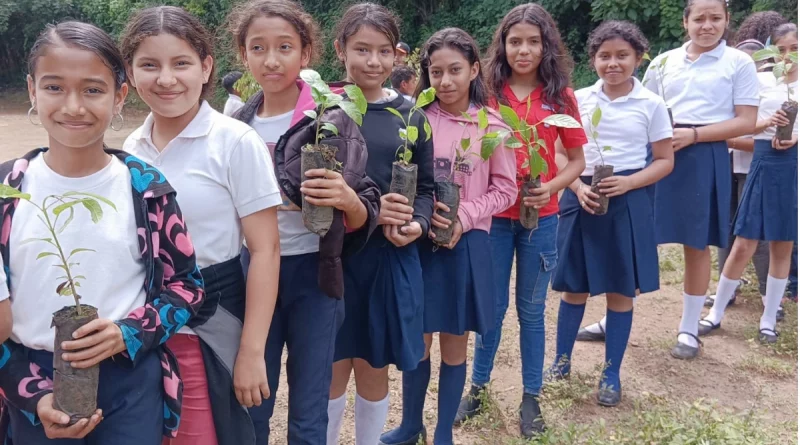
pixel 608 396
pixel 768 336
pixel 587 335
pixel 705 327
pixel 531 423
pixel 685 352
pixel 470 405
pixel 710 300
pixel 781 314
pixel 414 440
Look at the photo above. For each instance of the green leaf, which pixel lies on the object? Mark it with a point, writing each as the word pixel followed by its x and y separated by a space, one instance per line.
pixel 765 54
pixel 352 110
pixel 646 56
pixel 66 291
pixel 45 254
pixel 8 192
pixel 403 133
pixel 594 135
pixel 483 119
pixel 428 130
pixel 663 62
pixel 510 117
pixel 596 116
pixel 526 163
pixel 79 277
pixel 778 70
pixel 562 120
pixel 396 113
pixel 606 148
pixel 407 156
pixel 94 209
pixel 356 96
pixel 413 134
pixel 465 143
pixel 633 15
pixel 61 207
pixel 488 146
pixel 106 201
pixel 792 57
pixel 74 251
pixel 330 127
pixel 310 77
pixel 513 142
pixel 466 116
pixel 33 240
pixel 69 220
pixel 310 113
pixel 426 97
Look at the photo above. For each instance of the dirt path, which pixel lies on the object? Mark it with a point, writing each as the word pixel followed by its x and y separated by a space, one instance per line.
pixel 733 370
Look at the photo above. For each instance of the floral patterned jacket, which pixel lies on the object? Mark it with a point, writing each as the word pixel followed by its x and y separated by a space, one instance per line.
pixel 173 284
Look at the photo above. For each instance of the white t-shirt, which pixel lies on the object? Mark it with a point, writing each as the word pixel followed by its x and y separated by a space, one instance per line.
pixel 115 272
pixel 705 91
pixel 232 105
pixel 296 239
pixel 4 285
pixel 627 125
pixel 773 95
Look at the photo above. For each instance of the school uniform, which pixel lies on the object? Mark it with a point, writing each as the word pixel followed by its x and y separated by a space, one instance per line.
pixel 128 281
pixel 232 105
pixel 615 252
pixel 692 204
pixel 222 173
pixel 768 208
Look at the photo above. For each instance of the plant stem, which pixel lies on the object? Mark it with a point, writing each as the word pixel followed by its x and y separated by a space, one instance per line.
pixel 71 283
pixel 319 122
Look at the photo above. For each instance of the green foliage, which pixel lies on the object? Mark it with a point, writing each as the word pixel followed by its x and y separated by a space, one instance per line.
pixel 324 98
pixel 780 65
pixel 594 122
pixel 489 140
pixel 409 133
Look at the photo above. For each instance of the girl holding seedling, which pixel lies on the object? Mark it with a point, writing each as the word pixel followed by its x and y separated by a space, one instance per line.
pixel 768 208
pixel 139 265
pixel 276 40
pixel 712 90
pixel 220 167
pixel 383 281
pixel 528 75
pixel 614 253
pixel 468 151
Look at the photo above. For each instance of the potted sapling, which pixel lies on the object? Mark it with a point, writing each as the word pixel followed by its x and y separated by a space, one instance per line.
pixel 780 68
pixel 319 155
pixel 603 170
pixel 658 69
pixel 523 135
pixel 404 173
pixel 74 389
pixel 448 192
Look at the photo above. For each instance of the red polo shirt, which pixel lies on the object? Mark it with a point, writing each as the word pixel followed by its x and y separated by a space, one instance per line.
pixel 571 138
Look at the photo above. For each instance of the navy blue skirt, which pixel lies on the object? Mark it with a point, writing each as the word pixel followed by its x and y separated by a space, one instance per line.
pixel 459 285
pixel 692 204
pixel 612 253
pixel 768 208
pixel 383 300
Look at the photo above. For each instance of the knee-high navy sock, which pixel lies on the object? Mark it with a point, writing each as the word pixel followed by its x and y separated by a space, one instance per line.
pixel 618 331
pixel 451 384
pixel 415 387
pixel 570 317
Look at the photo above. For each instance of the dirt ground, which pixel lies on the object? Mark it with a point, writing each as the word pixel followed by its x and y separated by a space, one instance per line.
pixel 733 370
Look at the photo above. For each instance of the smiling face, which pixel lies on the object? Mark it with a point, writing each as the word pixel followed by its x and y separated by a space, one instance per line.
pixel 451 74
pixel 524 48
pixel 788 44
pixel 74 95
pixel 706 23
pixel 615 61
pixel 368 56
pixel 169 75
pixel 274 53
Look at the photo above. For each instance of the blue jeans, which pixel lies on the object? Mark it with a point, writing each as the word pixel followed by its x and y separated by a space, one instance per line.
pixel 536 259
pixel 793 273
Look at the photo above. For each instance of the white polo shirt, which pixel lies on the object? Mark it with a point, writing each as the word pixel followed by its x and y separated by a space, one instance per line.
pixel 628 124
pixel 705 91
pixel 222 173
pixel 773 95
pixel 3 282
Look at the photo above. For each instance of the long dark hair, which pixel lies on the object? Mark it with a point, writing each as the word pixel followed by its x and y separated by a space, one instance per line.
pixel 555 67
pixel 459 40
pixel 759 26
pixel 367 14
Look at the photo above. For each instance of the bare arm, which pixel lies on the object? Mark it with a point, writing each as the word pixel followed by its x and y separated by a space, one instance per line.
pixel 6 322
pixel 743 124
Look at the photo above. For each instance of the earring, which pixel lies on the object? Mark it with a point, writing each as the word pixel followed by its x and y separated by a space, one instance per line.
pixel 121 122
pixel 30 115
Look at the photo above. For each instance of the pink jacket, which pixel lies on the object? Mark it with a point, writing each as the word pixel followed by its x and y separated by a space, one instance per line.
pixel 487 187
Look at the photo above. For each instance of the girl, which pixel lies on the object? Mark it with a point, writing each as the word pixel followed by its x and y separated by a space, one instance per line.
pixel 276 39
pixel 615 253
pixel 527 65
pixel 220 168
pixel 144 287
pixel 383 281
pixel 771 185
pixel 713 92
pixel 455 277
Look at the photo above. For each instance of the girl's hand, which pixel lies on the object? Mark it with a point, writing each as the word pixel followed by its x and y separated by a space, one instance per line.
pixel 250 378
pixel 329 190
pixel 682 138
pixel 395 210
pixel 458 230
pixel 783 145
pixel 587 198
pixel 779 119
pixel 402 236
pixel 615 186
pixel 55 422
pixel 540 198
pixel 439 220
pixel 95 341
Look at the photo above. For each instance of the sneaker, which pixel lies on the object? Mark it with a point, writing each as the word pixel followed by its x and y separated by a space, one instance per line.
pixel 470 405
pixel 531 423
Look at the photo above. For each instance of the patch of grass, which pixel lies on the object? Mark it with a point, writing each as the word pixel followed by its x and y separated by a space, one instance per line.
pixel 787 330
pixel 667 265
pixel 561 396
pixel 491 417
pixel 660 343
pixel 767 366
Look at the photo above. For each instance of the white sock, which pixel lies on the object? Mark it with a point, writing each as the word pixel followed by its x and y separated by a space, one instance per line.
pixel 692 308
pixel 597 328
pixel 370 419
pixel 775 290
pixel 335 416
pixel 725 290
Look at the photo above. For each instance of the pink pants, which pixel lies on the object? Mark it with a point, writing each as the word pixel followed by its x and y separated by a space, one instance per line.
pixel 197 423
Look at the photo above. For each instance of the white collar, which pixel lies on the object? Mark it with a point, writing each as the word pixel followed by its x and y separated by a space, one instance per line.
pixel 638 91
pixel 199 127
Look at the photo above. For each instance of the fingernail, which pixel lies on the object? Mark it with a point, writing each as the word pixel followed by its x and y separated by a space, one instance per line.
pixel 64 356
